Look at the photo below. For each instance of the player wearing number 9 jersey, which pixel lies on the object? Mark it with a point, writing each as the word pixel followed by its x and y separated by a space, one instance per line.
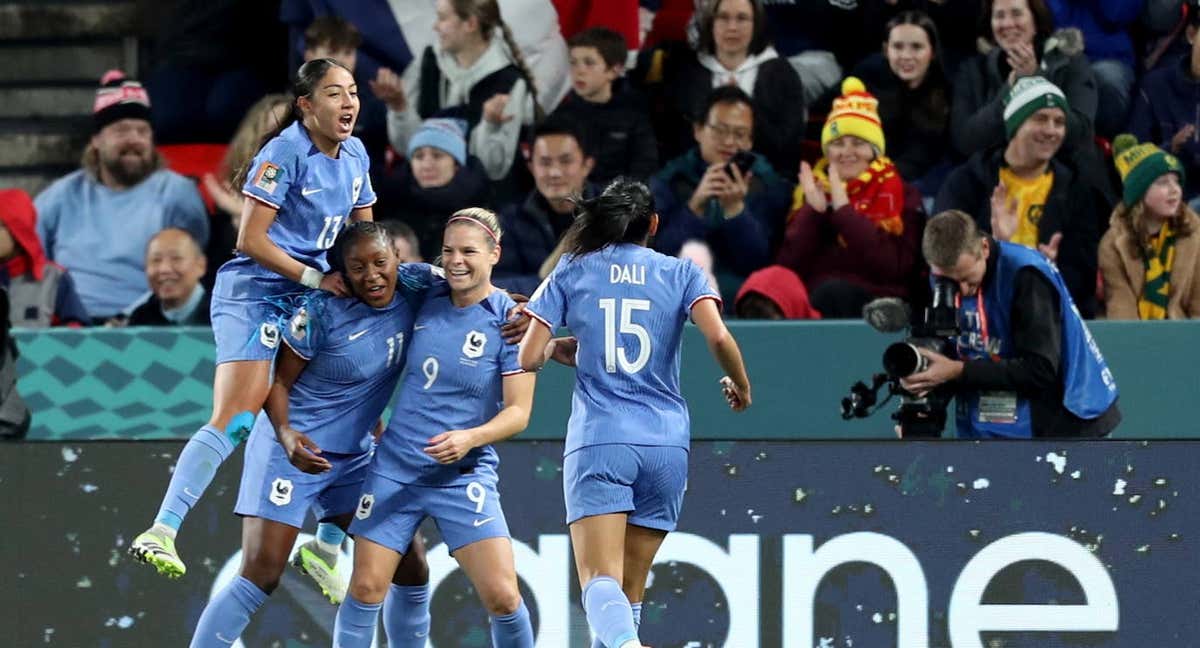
pixel 306 181
pixel 625 466
pixel 463 391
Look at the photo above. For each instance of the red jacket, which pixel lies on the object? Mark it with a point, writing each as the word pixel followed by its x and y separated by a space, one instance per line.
pixel 843 244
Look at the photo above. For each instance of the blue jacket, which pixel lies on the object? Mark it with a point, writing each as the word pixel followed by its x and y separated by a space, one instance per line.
pixel 1104 23
pixel 1088 387
pixel 740 245
pixel 1166 102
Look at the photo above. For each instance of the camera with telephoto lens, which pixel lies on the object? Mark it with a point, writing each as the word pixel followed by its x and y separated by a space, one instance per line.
pixel 934 328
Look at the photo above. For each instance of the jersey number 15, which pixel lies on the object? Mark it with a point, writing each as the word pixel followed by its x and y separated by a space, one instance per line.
pixel 615 355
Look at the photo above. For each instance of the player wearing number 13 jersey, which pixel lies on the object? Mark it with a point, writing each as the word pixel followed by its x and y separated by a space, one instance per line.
pixel 462 391
pixel 307 180
pixel 625 467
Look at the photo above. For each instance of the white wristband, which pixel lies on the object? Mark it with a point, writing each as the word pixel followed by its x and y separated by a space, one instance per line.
pixel 311 277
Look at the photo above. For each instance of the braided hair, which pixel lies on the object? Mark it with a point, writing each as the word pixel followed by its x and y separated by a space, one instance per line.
pixel 487 13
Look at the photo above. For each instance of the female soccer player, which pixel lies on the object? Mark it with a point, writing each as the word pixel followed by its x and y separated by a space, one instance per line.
pixel 305 183
pixel 333 378
pixel 625 466
pixel 435 458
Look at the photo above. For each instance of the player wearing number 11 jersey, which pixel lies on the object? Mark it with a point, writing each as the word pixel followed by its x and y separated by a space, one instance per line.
pixel 625 467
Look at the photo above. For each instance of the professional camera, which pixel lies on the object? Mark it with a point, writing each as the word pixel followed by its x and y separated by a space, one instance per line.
pixel 935 330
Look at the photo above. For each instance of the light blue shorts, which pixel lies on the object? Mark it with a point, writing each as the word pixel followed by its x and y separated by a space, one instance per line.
pixel 647 482
pixel 247 312
pixel 273 489
pixel 389 512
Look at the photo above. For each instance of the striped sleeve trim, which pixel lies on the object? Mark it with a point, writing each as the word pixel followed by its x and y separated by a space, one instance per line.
pixel 366 205
pixel 541 319
pixel 720 304
pixel 262 200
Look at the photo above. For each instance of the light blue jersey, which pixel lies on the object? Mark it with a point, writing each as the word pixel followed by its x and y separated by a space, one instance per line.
pixel 457 361
pixel 626 304
pixel 312 193
pixel 355 357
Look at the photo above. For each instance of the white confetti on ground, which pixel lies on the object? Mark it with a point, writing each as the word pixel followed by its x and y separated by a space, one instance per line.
pixel 1119 487
pixel 877 617
pixel 1059 461
pixel 1077 474
pixel 949 469
pixel 89 488
pixel 84 583
pixel 69 455
pixel 826 642
pixel 981 483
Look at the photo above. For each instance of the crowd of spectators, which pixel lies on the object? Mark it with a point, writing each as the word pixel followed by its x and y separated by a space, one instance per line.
pixel 795 149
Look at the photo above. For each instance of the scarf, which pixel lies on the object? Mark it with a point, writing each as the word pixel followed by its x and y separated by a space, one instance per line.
pixel 877 194
pixel 1156 292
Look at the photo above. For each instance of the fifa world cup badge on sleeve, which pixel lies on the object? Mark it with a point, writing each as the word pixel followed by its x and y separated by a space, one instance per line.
pixel 267 178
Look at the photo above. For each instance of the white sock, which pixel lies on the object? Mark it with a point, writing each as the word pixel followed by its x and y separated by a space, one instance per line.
pixel 164 529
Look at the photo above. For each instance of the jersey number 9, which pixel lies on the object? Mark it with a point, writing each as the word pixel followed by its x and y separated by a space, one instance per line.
pixel 613 354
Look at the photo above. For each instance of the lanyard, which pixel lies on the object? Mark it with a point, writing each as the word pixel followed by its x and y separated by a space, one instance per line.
pixel 983 322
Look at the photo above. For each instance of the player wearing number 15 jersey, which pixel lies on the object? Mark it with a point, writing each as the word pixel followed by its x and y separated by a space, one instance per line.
pixel 463 391
pixel 625 466
pixel 306 181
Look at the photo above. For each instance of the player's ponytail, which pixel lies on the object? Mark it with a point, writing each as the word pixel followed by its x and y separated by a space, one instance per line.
pixel 620 214
pixel 307 78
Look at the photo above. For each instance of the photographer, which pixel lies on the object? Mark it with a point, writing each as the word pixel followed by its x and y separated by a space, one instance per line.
pixel 1029 367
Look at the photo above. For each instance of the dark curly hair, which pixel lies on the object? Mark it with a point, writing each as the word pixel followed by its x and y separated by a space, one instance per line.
pixel 620 214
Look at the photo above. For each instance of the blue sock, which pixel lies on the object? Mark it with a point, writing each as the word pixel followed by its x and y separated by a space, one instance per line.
pixel 330 534
pixel 637 623
pixel 197 466
pixel 406 616
pixel 228 614
pixel 608 612
pixel 513 630
pixel 355 624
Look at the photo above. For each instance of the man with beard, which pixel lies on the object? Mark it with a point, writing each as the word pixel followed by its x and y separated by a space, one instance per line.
pixel 1025 193
pixel 97 221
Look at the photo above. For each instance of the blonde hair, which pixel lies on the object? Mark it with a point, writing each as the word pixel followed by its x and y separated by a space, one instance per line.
pixel 484 219
pixel 948 236
pixel 1136 220
pixel 487 13
pixel 257 122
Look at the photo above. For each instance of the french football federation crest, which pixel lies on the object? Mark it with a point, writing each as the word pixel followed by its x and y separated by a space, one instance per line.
pixel 474 344
pixel 281 492
pixel 268 335
pixel 298 326
pixel 366 504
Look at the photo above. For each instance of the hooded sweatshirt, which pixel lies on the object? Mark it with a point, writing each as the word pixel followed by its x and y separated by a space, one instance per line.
pixel 41 292
pixel 494 145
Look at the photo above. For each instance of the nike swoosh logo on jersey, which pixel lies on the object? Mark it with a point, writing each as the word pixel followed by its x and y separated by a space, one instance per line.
pixel 310 191
pixel 355 336
pixel 484 521
pixel 418 327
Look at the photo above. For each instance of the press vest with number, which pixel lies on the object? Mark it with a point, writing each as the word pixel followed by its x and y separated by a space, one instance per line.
pixel 1089 388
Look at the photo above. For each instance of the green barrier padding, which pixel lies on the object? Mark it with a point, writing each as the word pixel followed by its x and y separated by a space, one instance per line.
pixel 157 383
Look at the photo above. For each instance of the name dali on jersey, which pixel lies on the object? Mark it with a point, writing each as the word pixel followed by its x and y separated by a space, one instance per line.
pixel 630 274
